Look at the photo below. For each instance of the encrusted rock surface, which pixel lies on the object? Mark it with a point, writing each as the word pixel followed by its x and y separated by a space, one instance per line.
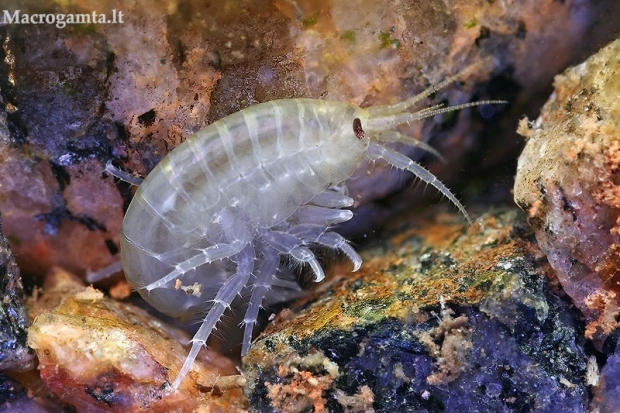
pixel 440 318
pixel 567 181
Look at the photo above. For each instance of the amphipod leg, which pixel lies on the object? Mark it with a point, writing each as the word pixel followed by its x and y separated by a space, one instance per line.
pixel 318 235
pixel 290 245
pixel 264 280
pixel 312 214
pixel 103 273
pixel 236 234
pixel 222 301
pixel 332 199
pixel 338 242
pixel 400 161
pixel 122 175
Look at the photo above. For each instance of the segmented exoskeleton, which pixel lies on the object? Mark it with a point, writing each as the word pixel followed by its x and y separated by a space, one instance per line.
pixel 224 214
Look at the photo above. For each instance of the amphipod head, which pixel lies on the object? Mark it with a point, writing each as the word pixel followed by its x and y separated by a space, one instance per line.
pixel 347 143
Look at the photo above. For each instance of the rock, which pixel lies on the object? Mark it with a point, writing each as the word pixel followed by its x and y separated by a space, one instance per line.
pixel 52 146
pixel 14 352
pixel 607 388
pixel 439 318
pixel 98 354
pixel 16 398
pixel 567 182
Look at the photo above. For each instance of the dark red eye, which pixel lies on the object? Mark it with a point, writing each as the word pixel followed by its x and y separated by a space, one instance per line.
pixel 357 128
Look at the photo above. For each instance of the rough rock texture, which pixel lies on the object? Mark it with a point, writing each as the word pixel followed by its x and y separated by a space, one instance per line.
pixel 567 181
pixel 607 387
pixel 98 354
pixel 33 398
pixel 14 352
pixel 439 319
pixel 75 97
pixel 56 202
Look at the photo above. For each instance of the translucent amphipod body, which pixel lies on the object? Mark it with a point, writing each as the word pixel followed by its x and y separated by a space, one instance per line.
pixel 214 220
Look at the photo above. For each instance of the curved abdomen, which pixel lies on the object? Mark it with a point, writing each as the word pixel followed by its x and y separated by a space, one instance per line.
pixel 264 162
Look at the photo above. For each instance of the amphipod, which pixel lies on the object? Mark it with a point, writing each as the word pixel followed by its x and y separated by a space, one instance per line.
pixel 224 215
